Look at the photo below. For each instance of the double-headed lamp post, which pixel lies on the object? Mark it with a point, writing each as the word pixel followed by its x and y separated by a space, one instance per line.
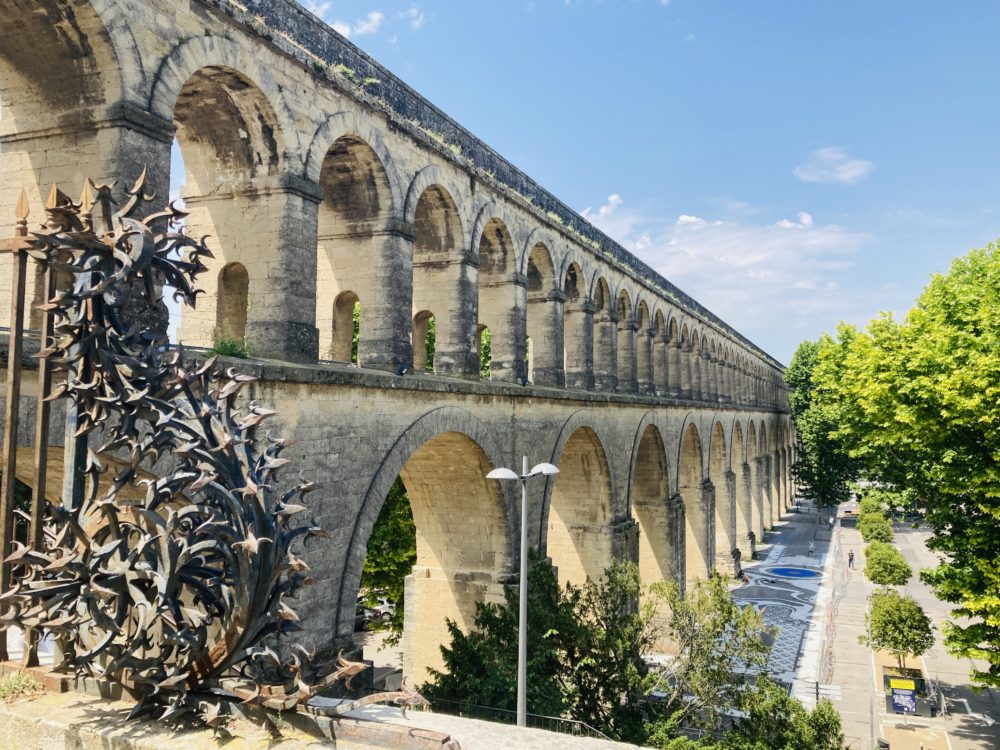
pixel 522 622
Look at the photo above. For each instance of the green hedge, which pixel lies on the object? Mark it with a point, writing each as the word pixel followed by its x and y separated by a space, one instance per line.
pixel 875 527
pixel 885 565
pixel 871 505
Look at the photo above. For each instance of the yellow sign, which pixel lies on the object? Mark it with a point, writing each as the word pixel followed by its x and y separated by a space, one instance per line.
pixel 901 684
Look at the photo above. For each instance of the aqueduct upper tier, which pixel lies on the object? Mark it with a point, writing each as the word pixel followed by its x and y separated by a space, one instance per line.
pixel 330 190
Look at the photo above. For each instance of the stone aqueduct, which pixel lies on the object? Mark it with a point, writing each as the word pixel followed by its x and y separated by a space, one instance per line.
pixel 324 181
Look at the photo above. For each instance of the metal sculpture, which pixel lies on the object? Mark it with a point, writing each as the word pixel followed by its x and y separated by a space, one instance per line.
pixel 180 595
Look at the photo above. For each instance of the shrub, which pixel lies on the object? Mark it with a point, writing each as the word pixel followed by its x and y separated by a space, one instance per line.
pixel 886 566
pixel 875 527
pixel 231 348
pixel 18 685
pixel 871 505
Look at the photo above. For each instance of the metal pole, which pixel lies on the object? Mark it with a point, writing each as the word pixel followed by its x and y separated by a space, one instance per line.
pixel 522 625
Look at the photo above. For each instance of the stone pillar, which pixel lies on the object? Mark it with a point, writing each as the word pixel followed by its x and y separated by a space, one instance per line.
pixel 661 366
pixel 507 308
pixel 700 529
pixel 455 345
pixel 626 356
pixel 676 521
pixel 777 500
pixel 431 595
pixel 676 385
pixel 545 328
pixel 65 150
pixel 270 229
pixel 744 512
pixel 725 541
pixel 760 496
pixel 385 341
pixel 694 376
pixel 579 343
pixel 645 379
pixel 710 377
pixel 605 351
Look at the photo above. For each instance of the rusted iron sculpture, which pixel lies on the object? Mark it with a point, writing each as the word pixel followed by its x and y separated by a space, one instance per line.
pixel 178 596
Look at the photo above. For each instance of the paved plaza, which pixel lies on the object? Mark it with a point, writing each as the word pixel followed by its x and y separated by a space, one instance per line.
pixel 817 651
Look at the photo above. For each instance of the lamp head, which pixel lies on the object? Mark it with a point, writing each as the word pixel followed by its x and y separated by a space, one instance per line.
pixel 502 474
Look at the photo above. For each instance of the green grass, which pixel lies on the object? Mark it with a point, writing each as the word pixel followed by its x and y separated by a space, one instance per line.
pixel 18 685
pixel 231 348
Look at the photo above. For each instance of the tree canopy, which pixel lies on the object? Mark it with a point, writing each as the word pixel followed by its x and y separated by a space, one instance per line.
pixel 918 403
pixel 899 625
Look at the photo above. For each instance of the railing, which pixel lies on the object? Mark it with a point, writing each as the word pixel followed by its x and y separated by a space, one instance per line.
pixel 506 716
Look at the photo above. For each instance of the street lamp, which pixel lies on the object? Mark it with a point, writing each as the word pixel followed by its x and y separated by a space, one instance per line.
pixel 522 622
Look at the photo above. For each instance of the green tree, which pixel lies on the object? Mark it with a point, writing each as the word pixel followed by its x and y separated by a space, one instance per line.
pixel 392 553
pixel 485 353
pixel 919 404
pixel 823 467
pixel 356 336
pixel 776 721
pixel 875 527
pixel 430 343
pixel 886 566
pixel 899 625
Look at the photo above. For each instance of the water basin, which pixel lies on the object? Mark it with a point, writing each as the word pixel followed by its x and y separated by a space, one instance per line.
pixel 788 571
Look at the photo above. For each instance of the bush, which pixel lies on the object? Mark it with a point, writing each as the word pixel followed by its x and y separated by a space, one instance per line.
pixel 886 566
pixel 231 348
pixel 875 527
pixel 18 685
pixel 871 505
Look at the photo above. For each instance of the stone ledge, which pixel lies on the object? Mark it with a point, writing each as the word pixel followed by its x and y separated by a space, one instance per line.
pixel 83 722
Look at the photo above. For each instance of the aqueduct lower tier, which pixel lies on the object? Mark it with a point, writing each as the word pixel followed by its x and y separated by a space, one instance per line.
pixel 675 486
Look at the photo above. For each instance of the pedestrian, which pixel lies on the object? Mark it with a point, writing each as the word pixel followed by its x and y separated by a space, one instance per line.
pixel 850 560
pixel 812 547
pixel 832 519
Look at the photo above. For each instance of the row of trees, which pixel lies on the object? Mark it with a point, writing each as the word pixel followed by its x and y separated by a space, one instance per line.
pixel 586 662
pixel 915 405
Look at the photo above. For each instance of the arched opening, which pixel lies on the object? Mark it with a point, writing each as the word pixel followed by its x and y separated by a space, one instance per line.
pixel 698 541
pixel 445 280
pixel 485 348
pixel 424 341
pixel 605 338
pixel 580 508
pixel 578 331
pixel 502 302
pixel 626 344
pixel 61 77
pixel 725 507
pixel 675 344
pixel 694 363
pixel 232 147
pixel 544 321
pixel 643 350
pixel 650 503
pixel 355 255
pixel 346 328
pixel 460 544
pixel 231 310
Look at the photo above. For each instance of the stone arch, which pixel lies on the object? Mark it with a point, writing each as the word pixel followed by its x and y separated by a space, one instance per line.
pixel 699 544
pixel 358 253
pixel 218 53
pixel 234 143
pixel 626 343
pixel 444 279
pixel 723 482
pixel 231 310
pixel 502 293
pixel 580 509
pixel 544 318
pixel 464 534
pixel 605 337
pixel 649 498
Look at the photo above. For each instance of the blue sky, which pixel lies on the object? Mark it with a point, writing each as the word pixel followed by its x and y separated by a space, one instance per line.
pixel 790 164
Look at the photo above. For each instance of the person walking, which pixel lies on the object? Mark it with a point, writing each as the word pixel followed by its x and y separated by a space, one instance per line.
pixel 812 547
pixel 850 560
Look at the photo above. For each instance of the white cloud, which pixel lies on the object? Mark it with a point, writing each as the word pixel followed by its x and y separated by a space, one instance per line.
pixel 370 24
pixel 319 8
pixel 414 16
pixel 833 164
pixel 344 29
pixel 774 282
